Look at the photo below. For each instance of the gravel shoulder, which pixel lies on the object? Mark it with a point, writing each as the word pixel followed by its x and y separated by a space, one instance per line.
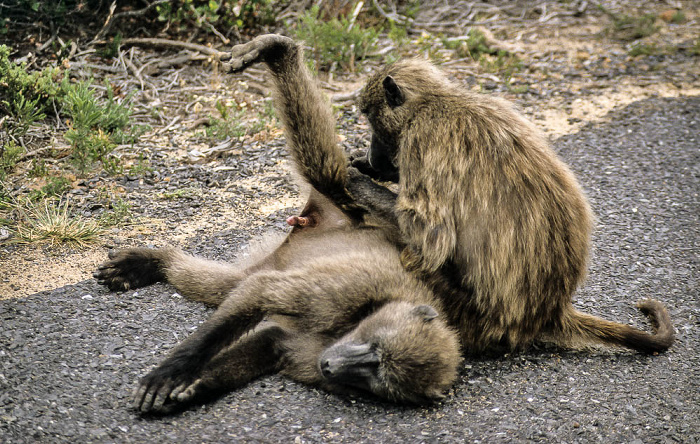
pixel 69 357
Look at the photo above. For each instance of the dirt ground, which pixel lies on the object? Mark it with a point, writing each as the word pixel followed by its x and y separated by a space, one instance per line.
pixel 575 74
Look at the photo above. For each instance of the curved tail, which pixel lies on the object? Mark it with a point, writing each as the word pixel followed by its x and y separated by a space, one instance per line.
pixel 580 327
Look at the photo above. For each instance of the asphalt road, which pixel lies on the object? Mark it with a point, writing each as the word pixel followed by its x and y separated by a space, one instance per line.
pixel 70 357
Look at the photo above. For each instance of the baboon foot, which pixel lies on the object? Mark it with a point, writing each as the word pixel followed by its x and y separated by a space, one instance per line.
pixel 130 268
pixel 265 48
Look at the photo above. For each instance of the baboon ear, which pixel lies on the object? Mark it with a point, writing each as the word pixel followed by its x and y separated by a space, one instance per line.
pixel 426 312
pixel 392 92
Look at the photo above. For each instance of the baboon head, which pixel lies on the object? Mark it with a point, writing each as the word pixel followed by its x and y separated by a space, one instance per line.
pixel 402 352
pixel 390 99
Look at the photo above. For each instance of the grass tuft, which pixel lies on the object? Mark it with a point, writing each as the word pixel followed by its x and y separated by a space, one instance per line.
pixel 51 221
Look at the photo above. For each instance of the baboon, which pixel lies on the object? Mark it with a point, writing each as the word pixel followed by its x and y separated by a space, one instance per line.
pixel 331 306
pixel 490 216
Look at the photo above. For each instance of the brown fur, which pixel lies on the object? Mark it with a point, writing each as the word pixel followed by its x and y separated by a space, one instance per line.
pixel 492 218
pixel 334 292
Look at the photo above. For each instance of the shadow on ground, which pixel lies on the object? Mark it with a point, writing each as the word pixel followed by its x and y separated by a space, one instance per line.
pixel 70 357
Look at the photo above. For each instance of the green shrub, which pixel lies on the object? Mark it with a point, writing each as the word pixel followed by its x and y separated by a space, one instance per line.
pixel 336 40
pixel 473 46
pixel 9 155
pixel 626 27
pixel 54 187
pixel 96 127
pixel 208 14
pixel 44 89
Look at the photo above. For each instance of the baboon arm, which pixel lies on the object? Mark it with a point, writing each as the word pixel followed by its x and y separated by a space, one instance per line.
pixel 255 355
pixel 185 363
pixel 379 200
pixel 206 280
pixel 430 243
pixel 132 268
pixel 305 113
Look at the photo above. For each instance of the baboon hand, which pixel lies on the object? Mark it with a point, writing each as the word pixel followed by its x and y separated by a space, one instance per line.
pixel 264 48
pixel 164 389
pixel 130 268
pixel 411 259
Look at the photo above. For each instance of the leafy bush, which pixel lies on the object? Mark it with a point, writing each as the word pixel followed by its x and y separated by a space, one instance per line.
pixel 337 40
pixel 208 14
pixel 96 126
pixel 474 46
pixel 9 154
pixel 627 27
pixel 21 91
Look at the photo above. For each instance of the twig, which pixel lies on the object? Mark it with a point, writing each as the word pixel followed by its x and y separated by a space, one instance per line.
pixel 173 122
pixel 111 18
pixel 111 69
pixel 175 44
pixel 108 22
pixel 223 38
pixel 38 152
pixel 393 17
pixel 355 13
pixel 47 43
pixel 132 67
pixel 179 60
pixel 336 98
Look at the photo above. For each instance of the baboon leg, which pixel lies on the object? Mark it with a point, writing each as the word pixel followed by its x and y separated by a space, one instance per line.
pixel 194 277
pixel 133 268
pixel 306 114
pixel 255 355
pixel 378 199
pixel 310 129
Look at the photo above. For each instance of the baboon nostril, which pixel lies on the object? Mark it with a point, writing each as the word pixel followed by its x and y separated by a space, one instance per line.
pixel 326 368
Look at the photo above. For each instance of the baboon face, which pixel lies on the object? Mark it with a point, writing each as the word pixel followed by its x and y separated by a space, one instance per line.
pixel 403 352
pixel 381 101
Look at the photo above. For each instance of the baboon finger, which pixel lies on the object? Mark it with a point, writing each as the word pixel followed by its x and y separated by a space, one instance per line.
pixel 147 401
pixel 187 393
pixel 137 396
pixel 179 389
pixel 162 395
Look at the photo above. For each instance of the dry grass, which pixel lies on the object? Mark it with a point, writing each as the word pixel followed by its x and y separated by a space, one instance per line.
pixel 51 221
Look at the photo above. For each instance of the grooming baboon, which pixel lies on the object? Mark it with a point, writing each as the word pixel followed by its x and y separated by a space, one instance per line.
pixel 491 217
pixel 341 311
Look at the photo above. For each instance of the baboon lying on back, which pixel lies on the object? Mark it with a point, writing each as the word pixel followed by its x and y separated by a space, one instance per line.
pixel 491 217
pixel 331 306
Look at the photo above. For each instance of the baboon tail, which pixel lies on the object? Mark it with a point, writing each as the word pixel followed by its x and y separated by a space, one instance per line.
pixel 585 328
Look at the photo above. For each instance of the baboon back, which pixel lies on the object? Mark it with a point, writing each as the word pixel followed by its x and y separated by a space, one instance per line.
pixel 492 218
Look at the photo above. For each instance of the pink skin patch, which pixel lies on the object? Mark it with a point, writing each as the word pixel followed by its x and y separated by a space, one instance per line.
pixel 299 221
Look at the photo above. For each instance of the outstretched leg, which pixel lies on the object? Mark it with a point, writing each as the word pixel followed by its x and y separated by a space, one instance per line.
pixel 196 278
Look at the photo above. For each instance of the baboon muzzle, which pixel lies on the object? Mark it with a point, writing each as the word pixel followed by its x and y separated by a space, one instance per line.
pixel 352 364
